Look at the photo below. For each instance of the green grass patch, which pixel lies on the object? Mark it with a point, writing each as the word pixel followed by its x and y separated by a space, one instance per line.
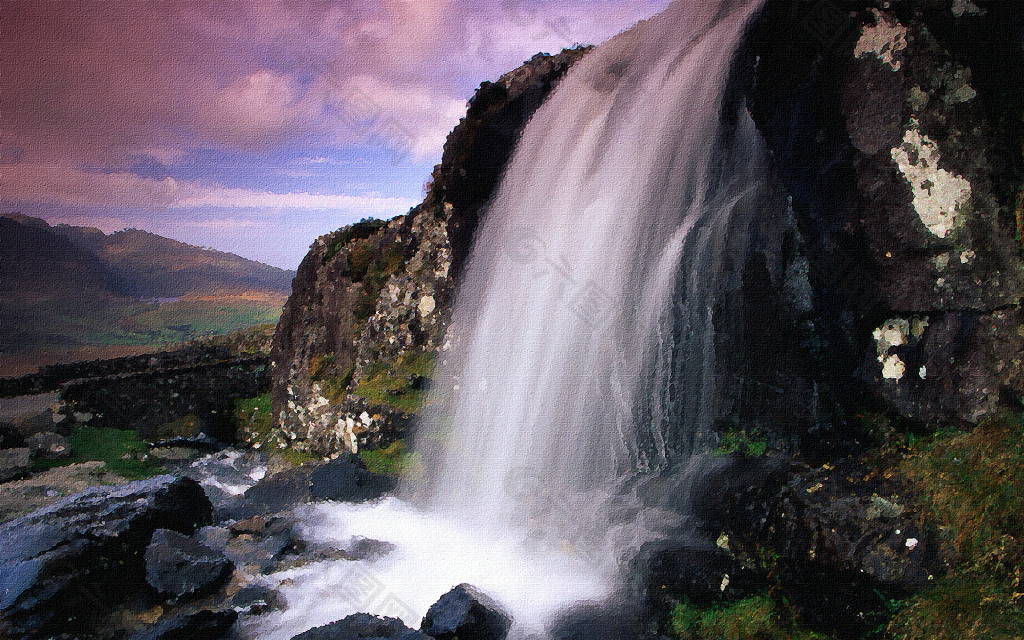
pixel 120 450
pixel 393 459
pixel 392 384
pixel 756 617
pixel 254 419
pixel 748 442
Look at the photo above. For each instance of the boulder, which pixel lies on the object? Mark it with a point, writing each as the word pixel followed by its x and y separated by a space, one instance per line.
pixel 179 566
pixel 48 445
pixel 64 566
pixel 363 625
pixel 14 463
pixel 346 481
pixel 466 613
pixel 201 625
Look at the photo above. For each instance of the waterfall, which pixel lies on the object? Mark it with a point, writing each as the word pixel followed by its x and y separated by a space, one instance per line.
pixel 583 352
pixel 571 407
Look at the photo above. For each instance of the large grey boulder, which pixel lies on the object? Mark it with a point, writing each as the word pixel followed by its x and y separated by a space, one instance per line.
pixel 65 566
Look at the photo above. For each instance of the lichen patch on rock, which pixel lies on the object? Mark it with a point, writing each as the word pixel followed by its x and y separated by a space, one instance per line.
pixel 885 40
pixel 938 194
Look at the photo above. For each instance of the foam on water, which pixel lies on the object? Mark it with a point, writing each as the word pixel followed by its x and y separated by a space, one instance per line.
pixel 431 555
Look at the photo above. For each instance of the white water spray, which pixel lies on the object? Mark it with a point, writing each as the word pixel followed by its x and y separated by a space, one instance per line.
pixel 583 365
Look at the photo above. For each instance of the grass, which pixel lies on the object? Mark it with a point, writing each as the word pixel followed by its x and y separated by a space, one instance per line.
pixel 391 460
pixel 757 617
pixel 971 485
pixel 391 384
pixel 120 450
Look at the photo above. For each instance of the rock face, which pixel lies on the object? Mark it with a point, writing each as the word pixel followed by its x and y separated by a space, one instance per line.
pixel 371 302
pixel 464 613
pixel 63 566
pixel 894 135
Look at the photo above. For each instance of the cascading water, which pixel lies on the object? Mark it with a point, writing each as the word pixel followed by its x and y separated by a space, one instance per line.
pixel 582 370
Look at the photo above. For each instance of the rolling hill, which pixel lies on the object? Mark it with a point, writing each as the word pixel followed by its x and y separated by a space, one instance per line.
pixel 67 290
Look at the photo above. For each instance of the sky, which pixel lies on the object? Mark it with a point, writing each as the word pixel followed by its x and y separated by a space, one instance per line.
pixel 253 126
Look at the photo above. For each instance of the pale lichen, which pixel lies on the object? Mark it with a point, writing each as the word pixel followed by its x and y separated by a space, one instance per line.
pixel 884 40
pixel 938 194
pixel 893 333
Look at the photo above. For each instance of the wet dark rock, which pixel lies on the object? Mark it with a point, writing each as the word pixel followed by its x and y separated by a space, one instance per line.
pixel 256 599
pixel 179 566
pixel 65 565
pixel 278 492
pixel 49 445
pixel 365 549
pixel 599 620
pixel 262 550
pixel 281 491
pixel 200 625
pixel 465 613
pixel 14 463
pixel 345 480
pixel 360 626
pixel 703 573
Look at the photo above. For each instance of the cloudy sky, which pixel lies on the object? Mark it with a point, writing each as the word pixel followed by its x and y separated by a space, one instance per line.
pixel 253 126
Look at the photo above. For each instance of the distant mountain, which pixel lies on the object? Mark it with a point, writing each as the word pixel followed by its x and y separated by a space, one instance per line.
pixel 131 263
pixel 63 288
pixel 34 260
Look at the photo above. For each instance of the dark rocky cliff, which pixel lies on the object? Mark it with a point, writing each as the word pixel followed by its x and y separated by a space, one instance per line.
pixel 370 304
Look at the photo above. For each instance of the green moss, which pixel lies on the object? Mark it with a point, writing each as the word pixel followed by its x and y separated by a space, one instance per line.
pixel 391 460
pixel 297 458
pixel 746 442
pixel 121 451
pixel 959 609
pixel 391 384
pixel 756 617
pixel 335 388
pixel 254 419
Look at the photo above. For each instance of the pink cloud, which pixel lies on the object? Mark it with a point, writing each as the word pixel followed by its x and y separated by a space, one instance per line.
pixel 102 83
